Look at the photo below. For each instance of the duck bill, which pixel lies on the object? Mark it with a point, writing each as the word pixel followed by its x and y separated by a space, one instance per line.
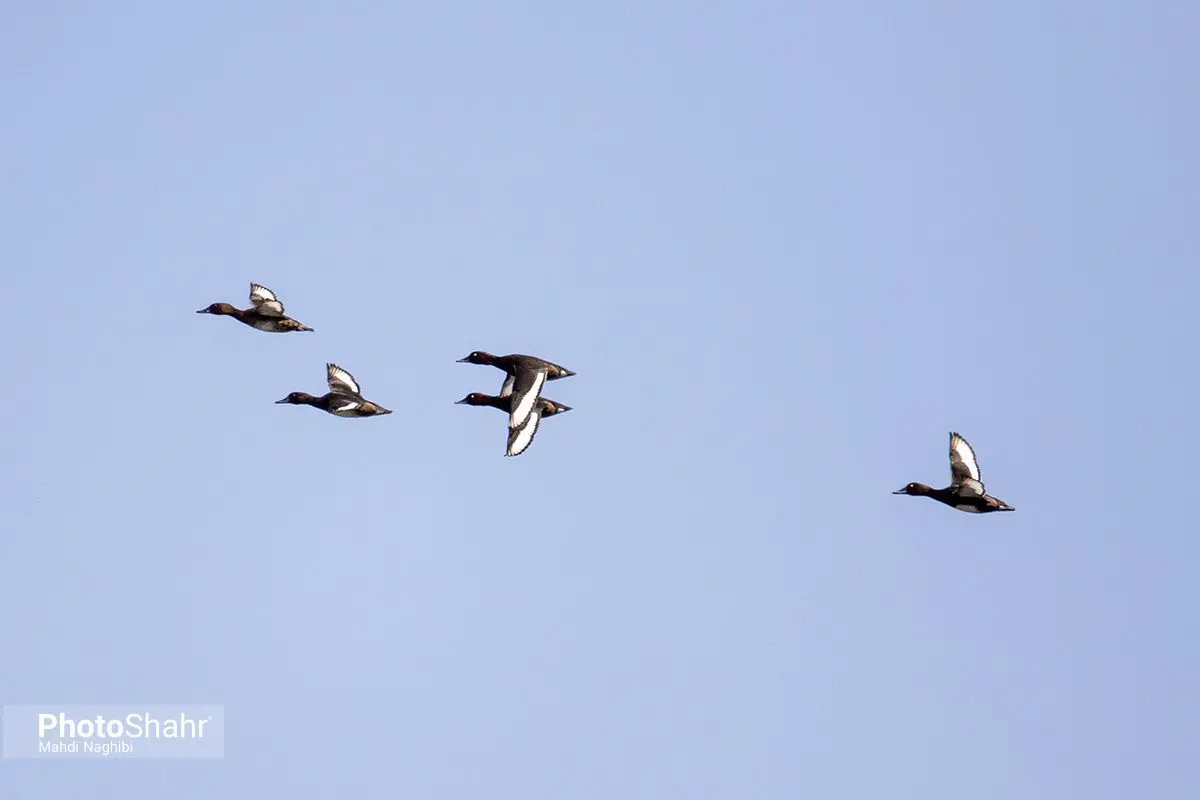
pixel 204 311
pixel 464 360
pixel 280 402
pixel 462 402
pixel 900 491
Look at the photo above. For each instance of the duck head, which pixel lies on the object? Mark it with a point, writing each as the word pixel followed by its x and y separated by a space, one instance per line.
pixel 477 357
pixel 475 399
pixel 298 399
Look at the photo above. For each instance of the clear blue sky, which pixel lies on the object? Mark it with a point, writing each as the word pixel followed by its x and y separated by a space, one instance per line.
pixel 786 247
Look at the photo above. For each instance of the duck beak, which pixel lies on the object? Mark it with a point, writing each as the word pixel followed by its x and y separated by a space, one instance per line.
pixel 204 311
pixel 284 400
pixel 563 409
pixel 566 373
pixel 900 491
pixel 464 360
pixel 460 402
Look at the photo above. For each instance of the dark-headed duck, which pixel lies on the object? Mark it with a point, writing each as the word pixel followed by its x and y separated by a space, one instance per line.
pixel 966 491
pixel 344 399
pixel 265 312
pixel 519 438
pixel 548 407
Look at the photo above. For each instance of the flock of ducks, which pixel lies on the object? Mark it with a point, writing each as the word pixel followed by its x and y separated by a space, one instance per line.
pixel 520 395
pixel 521 398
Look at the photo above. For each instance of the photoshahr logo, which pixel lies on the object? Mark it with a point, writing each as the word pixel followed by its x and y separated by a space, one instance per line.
pixel 113 732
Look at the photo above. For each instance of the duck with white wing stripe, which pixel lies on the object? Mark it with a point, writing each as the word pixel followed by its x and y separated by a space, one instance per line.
pixel 344 398
pixel 265 312
pixel 520 438
pixel 966 491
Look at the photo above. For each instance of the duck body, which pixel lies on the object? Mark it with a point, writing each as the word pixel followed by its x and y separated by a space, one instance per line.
pixel 515 363
pixel 546 406
pixel 340 405
pixel 972 504
pixel 966 491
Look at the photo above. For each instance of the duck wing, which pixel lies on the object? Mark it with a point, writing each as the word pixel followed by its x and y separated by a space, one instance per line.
pixel 520 438
pixel 341 381
pixel 264 301
pixel 964 468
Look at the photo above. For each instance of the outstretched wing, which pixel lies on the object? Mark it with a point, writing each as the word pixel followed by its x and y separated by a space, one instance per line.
pixel 341 381
pixel 964 467
pixel 526 388
pixel 264 301
pixel 520 438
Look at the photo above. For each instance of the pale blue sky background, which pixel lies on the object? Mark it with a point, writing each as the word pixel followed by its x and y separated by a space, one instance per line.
pixel 786 246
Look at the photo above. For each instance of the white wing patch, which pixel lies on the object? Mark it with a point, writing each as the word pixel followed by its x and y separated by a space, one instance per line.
pixel 341 381
pixel 264 301
pixel 507 388
pixel 523 406
pixel 963 465
pixel 969 509
pixel 520 438
pixel 345 406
